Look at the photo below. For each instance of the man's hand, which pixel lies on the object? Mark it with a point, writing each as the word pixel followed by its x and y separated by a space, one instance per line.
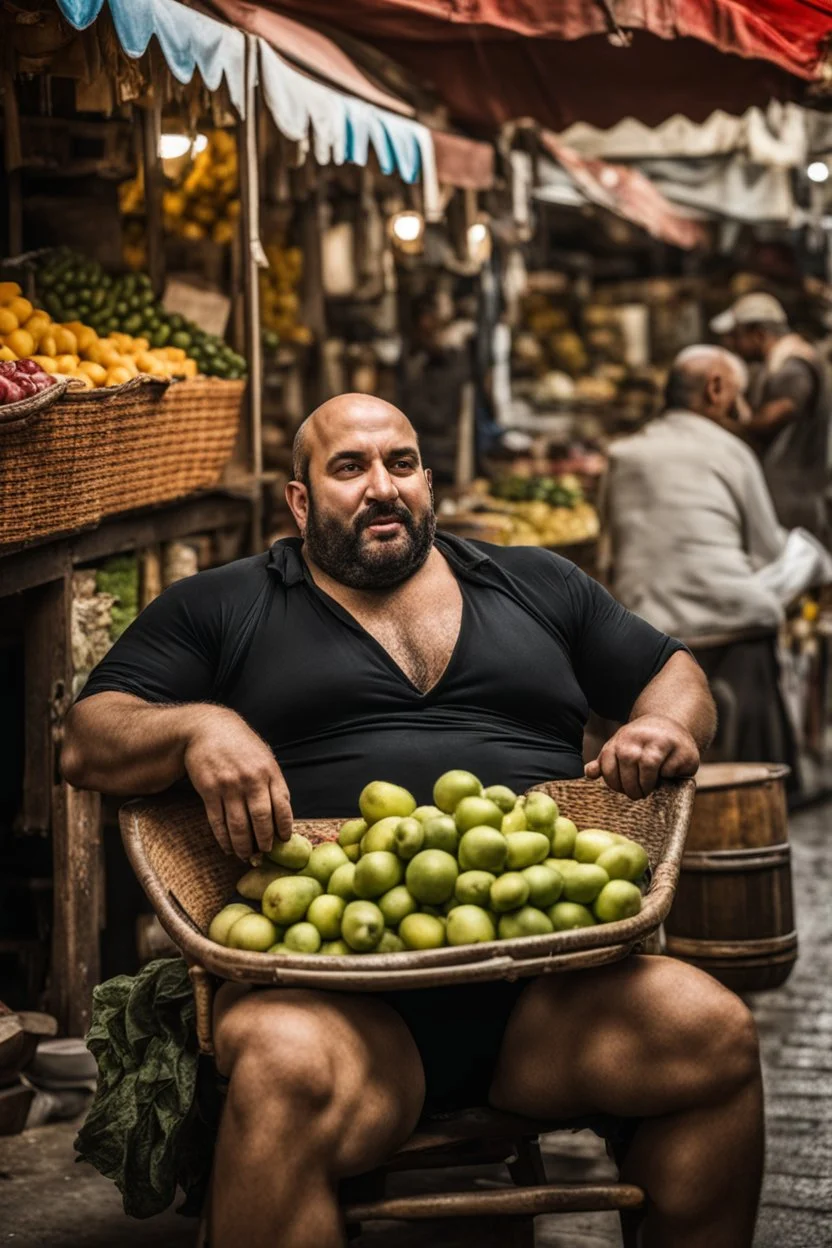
pixel 640 752
pixel 238 779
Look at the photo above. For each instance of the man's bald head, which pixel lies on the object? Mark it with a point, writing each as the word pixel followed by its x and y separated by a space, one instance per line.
pixel 705 379
pixel 336 417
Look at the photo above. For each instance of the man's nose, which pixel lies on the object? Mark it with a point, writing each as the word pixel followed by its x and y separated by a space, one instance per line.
pixel 380 486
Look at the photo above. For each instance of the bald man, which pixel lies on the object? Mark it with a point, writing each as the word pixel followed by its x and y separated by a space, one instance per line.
pixel 376 648
pixel 693 524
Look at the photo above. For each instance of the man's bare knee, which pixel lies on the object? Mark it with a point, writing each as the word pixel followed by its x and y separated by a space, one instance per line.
pixel 726 1037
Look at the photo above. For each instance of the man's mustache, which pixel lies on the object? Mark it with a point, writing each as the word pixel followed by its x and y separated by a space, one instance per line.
pixel 385 511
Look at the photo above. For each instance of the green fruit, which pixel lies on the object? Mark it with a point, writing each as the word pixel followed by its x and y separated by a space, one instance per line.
pixel 627 861
pixel 584 883
pixel 353 853
pixel 617 900
pixel 525 849
pixel 483 849
pixel 362 926
pixel 431 876
pixel 322 862
pixel 473 888
pixel 293 853
pixel 441 833
pixel 303 937
pixel 280 947
pixel 390 943
pixel 469 925
pixel 563 840
pixel 380 800
pixel 396 905
pixel 409 838
pixel 335 949
pixel 254 883
pixel 590 843
pixel 545 885
pixel 509 892
pixel 422 813
pixel 452 787
pixel 342 882
pixel 253 932
pixel 181 339
pixel 351 832
pixel 477 812
pixel 286 900
pixel 376 873
pixel 176 321
pixel 566 915
pixel 160 336
pixel 525 922
pixel 222 923
pixel 381 835
pixel 501 796
pixel 541 812
pixel 422 931
pixel 514 821
pixel 325 913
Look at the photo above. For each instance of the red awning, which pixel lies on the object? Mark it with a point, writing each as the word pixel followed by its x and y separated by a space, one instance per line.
pixel 463 162
pixel 628 193
pixel 497 60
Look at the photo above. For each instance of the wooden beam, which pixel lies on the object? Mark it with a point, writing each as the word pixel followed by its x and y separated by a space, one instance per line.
pixel 150 120
pixel 251 256
pixel 73 817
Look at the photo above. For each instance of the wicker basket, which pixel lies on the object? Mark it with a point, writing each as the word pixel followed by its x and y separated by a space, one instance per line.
pixel 188 878
pixel 182 444
pixel 68 459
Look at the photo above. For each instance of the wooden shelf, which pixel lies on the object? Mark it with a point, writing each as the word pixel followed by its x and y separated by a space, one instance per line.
pixel 51 558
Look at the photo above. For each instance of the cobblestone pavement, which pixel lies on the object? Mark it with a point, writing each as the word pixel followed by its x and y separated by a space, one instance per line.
pixel 46 1201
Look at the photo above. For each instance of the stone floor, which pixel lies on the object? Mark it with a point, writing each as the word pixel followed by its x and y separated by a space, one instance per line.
pixel 47 1201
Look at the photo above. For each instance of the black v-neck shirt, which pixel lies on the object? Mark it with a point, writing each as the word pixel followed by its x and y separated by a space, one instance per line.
pixel 539 644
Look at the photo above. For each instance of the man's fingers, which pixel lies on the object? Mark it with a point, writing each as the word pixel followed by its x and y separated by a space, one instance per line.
pixel 628 771
pixel 282 810
pixel 649 768
pixel 260 816
pixel 239 827
pixel 216 818
pixel 592 770
pixel 608 762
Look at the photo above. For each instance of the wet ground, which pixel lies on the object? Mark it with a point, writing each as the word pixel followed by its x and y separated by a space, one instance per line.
pixel 47 1201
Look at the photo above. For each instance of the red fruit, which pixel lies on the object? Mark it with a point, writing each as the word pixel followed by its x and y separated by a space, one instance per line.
pixel 28 366
pixel 4 390
pixel 15 392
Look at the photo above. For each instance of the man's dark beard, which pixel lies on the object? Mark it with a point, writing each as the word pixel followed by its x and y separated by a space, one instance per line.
pixel 338 549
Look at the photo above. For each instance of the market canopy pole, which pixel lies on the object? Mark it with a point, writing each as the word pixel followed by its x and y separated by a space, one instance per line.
pixel 253 258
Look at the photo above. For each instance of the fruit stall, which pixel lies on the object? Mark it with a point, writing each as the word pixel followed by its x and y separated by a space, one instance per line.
pixel 136 303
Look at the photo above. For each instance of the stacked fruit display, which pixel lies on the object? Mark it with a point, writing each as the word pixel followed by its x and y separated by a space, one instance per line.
pixel 73 289
pixel 280 299
pixel 205 201
pixel 479 865
pixel 75 350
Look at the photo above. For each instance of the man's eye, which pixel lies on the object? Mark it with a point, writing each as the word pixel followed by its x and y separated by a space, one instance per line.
pixel 351 468
pixel 404 465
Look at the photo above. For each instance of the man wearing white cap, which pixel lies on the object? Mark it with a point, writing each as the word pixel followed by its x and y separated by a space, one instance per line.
pixel 791 404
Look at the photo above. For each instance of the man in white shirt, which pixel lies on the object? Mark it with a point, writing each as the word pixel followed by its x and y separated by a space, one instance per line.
pixel 693 529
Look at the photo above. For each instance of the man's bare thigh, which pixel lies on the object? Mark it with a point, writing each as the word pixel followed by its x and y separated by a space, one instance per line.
pixel 626 1039
pixel 375 1063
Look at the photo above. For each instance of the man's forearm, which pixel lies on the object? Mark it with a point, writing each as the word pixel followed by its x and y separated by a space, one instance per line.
pixel 118 744
pixel 680 692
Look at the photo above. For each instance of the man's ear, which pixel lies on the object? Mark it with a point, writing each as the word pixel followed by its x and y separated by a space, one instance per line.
pixel 297 496
pixel 429 478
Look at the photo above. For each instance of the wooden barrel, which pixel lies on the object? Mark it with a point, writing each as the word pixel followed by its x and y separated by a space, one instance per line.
pixel 733 914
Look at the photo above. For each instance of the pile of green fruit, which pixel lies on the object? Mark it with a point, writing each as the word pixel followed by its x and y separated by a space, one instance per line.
pixel 479 865
pixel 74 288
pixel 562 491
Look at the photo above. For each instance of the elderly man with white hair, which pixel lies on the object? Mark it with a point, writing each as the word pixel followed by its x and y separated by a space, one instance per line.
pixel 698 550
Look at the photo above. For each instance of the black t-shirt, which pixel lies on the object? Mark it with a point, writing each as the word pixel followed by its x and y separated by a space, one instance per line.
pixel 539 644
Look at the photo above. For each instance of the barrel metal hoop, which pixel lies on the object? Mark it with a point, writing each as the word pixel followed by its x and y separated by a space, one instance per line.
pixel 764 858
pixel 687 947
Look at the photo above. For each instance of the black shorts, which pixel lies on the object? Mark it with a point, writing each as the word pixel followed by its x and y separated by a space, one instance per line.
pixel 459 1032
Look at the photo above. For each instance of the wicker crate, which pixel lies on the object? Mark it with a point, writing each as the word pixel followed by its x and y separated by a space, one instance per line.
pixel 188 878
pixel 67 458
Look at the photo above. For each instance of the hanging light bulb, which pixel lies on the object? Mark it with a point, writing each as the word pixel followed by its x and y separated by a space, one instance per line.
pixel 172 146
pixel 818 171
pixel 200 144
pixel 479 240
pixel 407 230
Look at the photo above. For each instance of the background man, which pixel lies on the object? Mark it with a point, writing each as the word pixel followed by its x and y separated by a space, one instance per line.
pixel 791 409
pixel 374 647
pixel 696 544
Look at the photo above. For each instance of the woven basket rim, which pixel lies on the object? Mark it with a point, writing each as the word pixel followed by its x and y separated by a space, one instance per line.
pixel 15 413
pixel 504 958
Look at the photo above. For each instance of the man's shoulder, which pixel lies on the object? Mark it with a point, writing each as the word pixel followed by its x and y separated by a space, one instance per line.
pixel 522 562
pixel 223 591
pixel 251 571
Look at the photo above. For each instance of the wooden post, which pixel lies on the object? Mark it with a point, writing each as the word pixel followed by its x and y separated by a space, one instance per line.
pixel 151 128
pixel 75 817
pixel 249 221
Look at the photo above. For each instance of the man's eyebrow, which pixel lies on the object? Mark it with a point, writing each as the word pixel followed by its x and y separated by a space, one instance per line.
pixel 397 453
